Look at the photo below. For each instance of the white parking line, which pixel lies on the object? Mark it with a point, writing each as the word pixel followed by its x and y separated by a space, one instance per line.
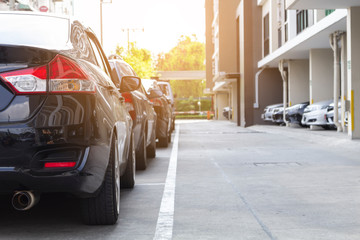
pixel 165 222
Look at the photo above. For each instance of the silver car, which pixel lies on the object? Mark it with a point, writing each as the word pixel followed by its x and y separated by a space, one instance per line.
pixel 330 115
pixel 269 111
pixel 315 114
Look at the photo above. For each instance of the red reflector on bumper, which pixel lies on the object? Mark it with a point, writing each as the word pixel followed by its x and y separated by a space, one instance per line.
pixel 59 164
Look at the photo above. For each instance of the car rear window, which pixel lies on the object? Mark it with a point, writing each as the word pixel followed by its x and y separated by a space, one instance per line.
pixel 34 30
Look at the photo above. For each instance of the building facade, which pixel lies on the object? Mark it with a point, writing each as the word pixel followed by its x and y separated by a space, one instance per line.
pixel 288 51
pixel 233 48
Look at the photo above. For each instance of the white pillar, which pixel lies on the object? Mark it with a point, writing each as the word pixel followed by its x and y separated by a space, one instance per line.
pixel 353 64
pixel 343 81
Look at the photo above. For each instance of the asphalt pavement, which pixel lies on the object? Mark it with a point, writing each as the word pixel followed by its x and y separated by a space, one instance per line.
pixel 219 181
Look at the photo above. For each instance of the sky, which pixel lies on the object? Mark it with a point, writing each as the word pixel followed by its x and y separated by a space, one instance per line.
pixel 163 21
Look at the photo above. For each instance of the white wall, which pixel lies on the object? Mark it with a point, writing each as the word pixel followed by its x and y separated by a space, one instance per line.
pixel 221 101
pixel 298 81
pixel 321 74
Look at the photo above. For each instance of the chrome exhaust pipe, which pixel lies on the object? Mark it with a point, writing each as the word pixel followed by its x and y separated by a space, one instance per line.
pixel 24 200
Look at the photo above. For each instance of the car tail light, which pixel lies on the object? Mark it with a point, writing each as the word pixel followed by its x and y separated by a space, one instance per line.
pixel 27 81
pixel 65 76
pixel 129 104
pixel 59 164
pixel 157 102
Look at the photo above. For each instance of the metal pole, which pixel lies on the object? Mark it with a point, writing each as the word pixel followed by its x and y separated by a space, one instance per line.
pixel 101 24
pixel 128 39
pixel 343 80
pixel 334 45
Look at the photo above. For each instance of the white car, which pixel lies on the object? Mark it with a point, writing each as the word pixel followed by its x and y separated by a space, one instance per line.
pixel 269 111
pixel 330 115
pixel 315 114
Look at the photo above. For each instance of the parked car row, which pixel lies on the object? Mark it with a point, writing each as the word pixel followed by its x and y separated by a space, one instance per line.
pixel 316 114
pixel 71 120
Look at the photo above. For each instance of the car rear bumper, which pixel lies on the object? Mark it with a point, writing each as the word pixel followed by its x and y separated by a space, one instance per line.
pixel 63 130
pixel 83 180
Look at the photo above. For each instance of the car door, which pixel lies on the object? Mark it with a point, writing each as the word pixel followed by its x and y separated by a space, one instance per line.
pixel 150 112
pixel 121 118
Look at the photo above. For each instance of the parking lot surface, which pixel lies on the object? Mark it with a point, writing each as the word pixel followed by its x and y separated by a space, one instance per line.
pixel 224 182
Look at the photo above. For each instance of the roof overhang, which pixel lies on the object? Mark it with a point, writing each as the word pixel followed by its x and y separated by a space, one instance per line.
pixel 181 75
pixel 226 77
pixel 220 87
pixel 316 36
pixel 260 2
pixel 321 4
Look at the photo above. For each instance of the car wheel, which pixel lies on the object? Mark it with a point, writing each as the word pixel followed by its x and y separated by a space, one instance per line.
pixel 105 207
pixel 151 149
pixel 169 137
pixel 141 158
pixel 173 125
pixel 127 180
pixel 163 141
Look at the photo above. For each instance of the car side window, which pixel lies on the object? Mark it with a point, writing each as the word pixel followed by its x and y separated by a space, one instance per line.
pixel 114 74
pixel 98 56
pixel 127 70
pixel 121 69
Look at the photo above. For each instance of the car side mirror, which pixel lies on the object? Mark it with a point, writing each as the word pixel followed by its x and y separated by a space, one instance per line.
pixel 129 83
pixel 154 93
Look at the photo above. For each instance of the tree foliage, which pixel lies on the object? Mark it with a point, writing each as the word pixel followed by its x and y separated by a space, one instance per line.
pixel 139 59
pixel 188 88
pixel 188 54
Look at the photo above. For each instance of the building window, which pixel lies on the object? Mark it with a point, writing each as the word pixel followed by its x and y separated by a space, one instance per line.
pixel 266 35
pixel 302 20
pixel 279 37
pixel 328 11
pixel 285 24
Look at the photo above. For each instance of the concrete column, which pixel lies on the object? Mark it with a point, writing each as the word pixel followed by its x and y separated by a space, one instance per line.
pixel 298 81
pixel 353 65
pixel 321 66
pixel 234 102
pixel 273 28
pixel 291 24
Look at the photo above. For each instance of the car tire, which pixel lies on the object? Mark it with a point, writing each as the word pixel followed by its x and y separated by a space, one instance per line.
pixel 173 125
pixel 151 149
pixel 141 158
pixel 163 141
pixel 127 180
pixel 169 137
pixel 105 207
pixel 326 127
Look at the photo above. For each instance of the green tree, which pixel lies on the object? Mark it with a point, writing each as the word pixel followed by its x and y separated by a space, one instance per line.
pixel 188 88
pixel 187 55
pixel 139 59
